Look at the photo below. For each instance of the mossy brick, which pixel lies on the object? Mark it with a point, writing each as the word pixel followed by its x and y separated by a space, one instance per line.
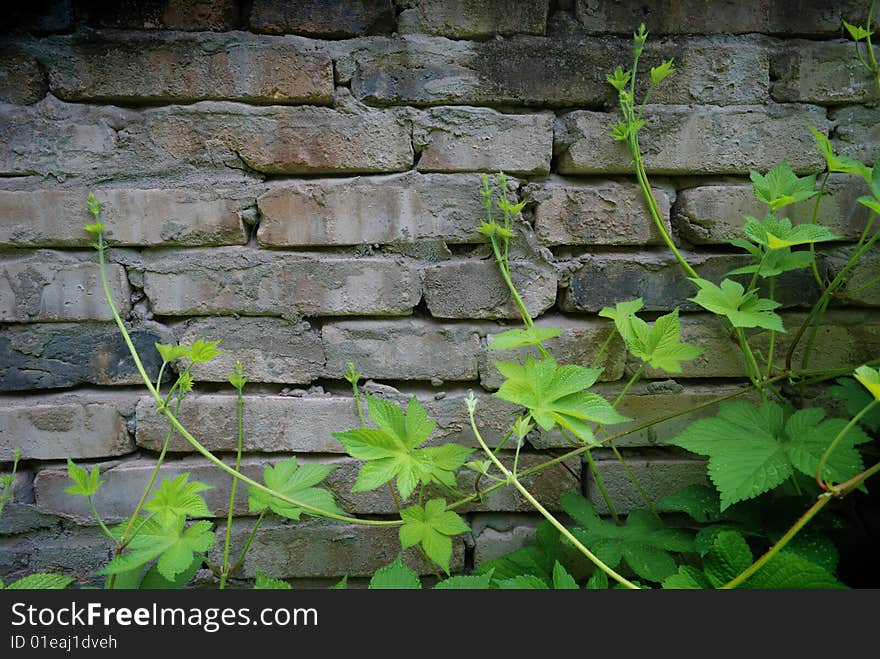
pixel 461 139
pixel 55 355
pixel 606 279
pixel 820 72
pixel 470 288
pixel 270 349
pixel 406 349
pixel 233 280
pixel 153 67
pixel 463 19
pixel 322 18
pixel 46 285
pixel 22 80
pixel 714 214
pixel 579 343
pixel 658 477
pixel 372 210
pixel 694 140
pixel 809 17
pixel 573 212
pixel 856 132
pixel 82 425
pixel 132 216
pixel 183 15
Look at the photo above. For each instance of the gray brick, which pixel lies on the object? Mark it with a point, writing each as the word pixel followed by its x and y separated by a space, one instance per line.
pixel 458 140
pixel 691 16
pixel 270 349
pixel 132 216
pixel 57 286
pixel 402 350
pixel 863 273
pixel 322 18
pixel 578 344
pixel 22 80
pixel 856 132
pixel 822 72
pixel 372 210
pixel 475 289
pixel 23 518
pixel 242 280
pixel 187 15
pixel 58 426
pixel 571 212
pixel 154 67
pixel 491 543
pixel 48 356
pixel 73 551
pixel 694 140
pixel 658 477
pixel 713 214
pixel 462 19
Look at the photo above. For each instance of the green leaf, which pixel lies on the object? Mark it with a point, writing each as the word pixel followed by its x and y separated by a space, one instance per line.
pixel 620 132
pixel 840 164
pixel 466 582
pixel 741 309
pixel 729 557
pixel 433 526
pixel 687 578
pixel 661 345
pixel 41 581
pixel 342 584
pixel 622 315
pixel 660 73
pixel 94 206
pixel 870 202
pixel 178 498
pixel 263 581
pixel 95 228
pixel 153 579
pixel 562 580
pixel 857 32
pixel 816 548
pixel 523 582
pixel 297 482
pixel 789 571
pixel 515 338
pixel 776 261
pixel 809 436
pixel 237 378
pixel 597 581
pixel 169 352
pixel 778 233
pixel 644 542
pixel 781 186
pixel 85 483
pixel 203 351
pixel 619 79
pixel 856 397
pixel 869 378
pixel 554 395
pixel 395 576
pixel 698 501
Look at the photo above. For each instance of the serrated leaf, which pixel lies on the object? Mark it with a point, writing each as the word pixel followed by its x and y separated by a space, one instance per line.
pixel 433 526
pixel 203 351
pixel 778 233
pixel 263 581
pixel 93 205
pixel 619 79
pixel 523 582
pixel 698 501
pixel 466 582
pixel 342 584
pixel 620 132
pixel 869 378
pixel 178 498
pixel 395 576
pixel 153 579
pixel 729 557
pixel 622 315
pixel 85 483
pixel 777 261
pixel 562 580
pixel 809 436
pixel 660 73
pixel 169 352
pixel 516 338
pixel 816 548
pixel 789 571
pixel 661 345
pixel 687 578
pixel 740 308
pixel 781 186
pixel 41 581
pixel 836 163
pixel 857 32
pixel 597 581
pixel 297 482
pixel 856 397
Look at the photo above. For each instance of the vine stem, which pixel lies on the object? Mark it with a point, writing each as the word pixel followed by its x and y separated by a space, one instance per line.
pixel 512 479
pixel 833 445
pixel 192 440
pixel 239 414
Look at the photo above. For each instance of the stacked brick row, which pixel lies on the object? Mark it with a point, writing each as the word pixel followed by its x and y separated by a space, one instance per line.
pixel 301 181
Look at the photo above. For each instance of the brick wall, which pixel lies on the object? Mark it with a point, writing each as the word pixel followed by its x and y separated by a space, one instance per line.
pixel 300 180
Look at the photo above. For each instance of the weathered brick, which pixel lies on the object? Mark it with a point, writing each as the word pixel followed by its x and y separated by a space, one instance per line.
pixel 462 19
pixel 322 548
pixel 22 80
pixel 845 338
pixel 45 285
pixel 184 15
pixel 475 289
pixel 132 216
pixel 409 349
pixel 175 68
pixel 866 270
pixel 322 18
pixel 240 280
pixel 53 427
pixel 491 542
pixel 856 132
pixel 692 17
pixel 713 214
pixel 21 518
pixel 480 139
pixel 578 344
pixel 270 349
pixel 48 356
pixel 605 279
pixel 372 210
pixel 695 140
pixel 821 72
pixel 658 478
pixel 74 551
pixel 570 212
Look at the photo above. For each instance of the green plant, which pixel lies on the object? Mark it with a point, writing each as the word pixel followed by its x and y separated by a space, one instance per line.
pixel 7 481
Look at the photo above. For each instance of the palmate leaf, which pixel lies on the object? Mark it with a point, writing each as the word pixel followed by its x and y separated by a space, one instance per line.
pixel 263 581
pixel 85 483
pixel 297 482
pixel 178 498
pixel 841 164
pixel 740 308
pixel 753 449
pixel 778 233
pixel 855 398
pixel 433 526
pixel 396 576
pixel 781 186
pixel 622 314
pixel 515 338
pixel 776 261
pixel 466 582
pixel 644 542
pixel 555 395
pixel 523 582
